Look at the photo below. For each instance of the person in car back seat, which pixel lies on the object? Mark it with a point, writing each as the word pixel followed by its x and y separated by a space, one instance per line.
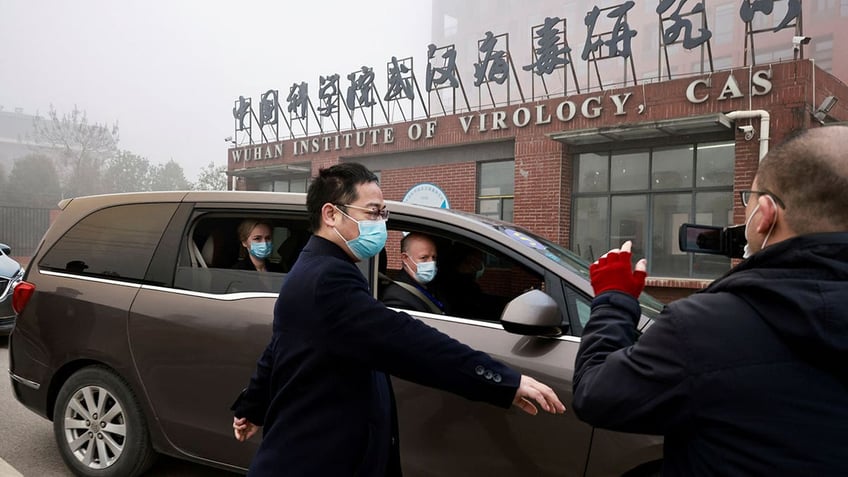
pixel 256 247
pixel 412 291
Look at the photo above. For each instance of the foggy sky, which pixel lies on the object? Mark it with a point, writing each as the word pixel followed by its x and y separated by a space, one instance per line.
pixel 168 71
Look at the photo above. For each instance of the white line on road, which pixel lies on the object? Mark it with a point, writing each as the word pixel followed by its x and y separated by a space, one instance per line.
pixel 7 470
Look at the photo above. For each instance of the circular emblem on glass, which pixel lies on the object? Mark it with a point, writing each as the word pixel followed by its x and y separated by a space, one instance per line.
pixel 427 194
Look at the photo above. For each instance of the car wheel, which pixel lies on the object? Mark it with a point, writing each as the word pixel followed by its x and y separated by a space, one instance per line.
pixel 99 426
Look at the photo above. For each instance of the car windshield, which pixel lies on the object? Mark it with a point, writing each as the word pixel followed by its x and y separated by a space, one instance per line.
pixel 651 307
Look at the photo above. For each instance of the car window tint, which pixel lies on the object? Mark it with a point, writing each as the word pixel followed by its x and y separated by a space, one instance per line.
pixel 223 281
pixel 115 243
pixel 471 281
pixel 214 261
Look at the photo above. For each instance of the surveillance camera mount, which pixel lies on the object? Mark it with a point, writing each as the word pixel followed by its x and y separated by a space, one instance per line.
pixel 748 130
pixel 797 41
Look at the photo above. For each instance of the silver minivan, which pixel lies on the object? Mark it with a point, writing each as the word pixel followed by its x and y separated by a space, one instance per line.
pixel 135 334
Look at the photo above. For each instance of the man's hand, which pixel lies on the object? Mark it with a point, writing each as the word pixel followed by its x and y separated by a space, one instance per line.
pixel 612 272
pixel 243 429
pixel 530 390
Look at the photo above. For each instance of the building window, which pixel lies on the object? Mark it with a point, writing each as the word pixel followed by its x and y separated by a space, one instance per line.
pixel 284 185
pixel 644 196
pixel 496 192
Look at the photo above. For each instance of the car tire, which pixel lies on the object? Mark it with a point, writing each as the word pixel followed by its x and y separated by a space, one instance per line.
pixel 99 426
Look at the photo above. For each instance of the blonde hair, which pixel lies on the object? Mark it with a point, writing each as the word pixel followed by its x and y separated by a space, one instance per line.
pixel 244 229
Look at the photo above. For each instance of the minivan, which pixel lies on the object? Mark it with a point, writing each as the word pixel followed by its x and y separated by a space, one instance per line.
pixel 135 334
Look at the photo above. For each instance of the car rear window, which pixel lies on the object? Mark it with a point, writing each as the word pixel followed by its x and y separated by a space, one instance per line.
pixel 115 243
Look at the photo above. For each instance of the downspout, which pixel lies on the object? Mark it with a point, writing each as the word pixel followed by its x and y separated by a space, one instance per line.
pixel 764 126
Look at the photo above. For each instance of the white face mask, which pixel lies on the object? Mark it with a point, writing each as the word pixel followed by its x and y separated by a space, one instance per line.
pixel 747 250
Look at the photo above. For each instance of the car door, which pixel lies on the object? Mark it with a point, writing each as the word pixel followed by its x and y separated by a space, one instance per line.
pixel 196 339
pixel 445 435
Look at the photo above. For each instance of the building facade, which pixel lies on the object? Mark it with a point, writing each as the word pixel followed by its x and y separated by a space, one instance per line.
pixel 589 169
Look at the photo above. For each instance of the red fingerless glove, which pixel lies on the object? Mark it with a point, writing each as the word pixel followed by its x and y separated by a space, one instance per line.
pixel 614 273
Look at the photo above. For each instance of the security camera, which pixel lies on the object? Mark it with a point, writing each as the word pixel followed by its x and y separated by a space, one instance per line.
pixel 228 139
pixel 800 40
pixel 748 130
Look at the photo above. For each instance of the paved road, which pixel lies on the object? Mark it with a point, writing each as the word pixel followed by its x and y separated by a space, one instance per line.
pixel 28 448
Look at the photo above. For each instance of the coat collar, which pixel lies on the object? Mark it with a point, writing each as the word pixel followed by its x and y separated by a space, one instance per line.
pixel 321 246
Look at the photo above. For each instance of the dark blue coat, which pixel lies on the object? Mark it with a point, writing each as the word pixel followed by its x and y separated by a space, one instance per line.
pixel 747 377
pixel 321 387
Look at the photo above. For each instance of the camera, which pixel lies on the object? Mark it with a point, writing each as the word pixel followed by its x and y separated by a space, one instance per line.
pixel 748 130
pixel 729 241
pixel 800 40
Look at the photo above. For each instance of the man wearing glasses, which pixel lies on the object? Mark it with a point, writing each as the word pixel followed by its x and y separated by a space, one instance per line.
pixel 321 388
pixel 748 376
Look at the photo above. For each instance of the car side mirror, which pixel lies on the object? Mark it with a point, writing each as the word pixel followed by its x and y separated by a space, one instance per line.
pixel 7 250
pixel 533 313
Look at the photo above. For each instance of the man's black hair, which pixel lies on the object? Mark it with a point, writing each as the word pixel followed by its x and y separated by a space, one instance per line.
pixel 337 185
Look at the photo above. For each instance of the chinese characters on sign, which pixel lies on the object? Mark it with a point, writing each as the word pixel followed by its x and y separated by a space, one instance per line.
pixel 681 23
pixel 268 104
pixel 551 49
pixel 748 11
pixel 493 64
pixel 698 91
pixel 608 35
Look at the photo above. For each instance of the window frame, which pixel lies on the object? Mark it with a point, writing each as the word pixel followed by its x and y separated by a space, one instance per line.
pixel 201 213
pixel 113 242
pixel 500 198
pixel 555 286
pixel 650 193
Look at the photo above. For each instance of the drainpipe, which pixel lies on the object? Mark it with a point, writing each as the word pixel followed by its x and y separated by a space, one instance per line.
pixel 764 126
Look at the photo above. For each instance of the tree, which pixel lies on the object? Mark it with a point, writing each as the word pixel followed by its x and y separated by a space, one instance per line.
pixel 83 149
pixel 127 172
pixel 168 177
pixel 33 182
pixel 212 177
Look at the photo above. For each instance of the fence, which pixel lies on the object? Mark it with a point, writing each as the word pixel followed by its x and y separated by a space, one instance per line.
pixel 21 228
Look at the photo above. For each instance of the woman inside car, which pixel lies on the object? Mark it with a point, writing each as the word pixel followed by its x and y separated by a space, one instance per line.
pixel 256 247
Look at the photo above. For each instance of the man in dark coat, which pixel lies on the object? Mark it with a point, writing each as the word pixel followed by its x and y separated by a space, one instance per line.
pixel 411 290
pixel 321 388
pixel 748 376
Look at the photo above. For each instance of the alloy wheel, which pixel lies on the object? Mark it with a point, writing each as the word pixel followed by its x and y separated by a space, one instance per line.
pixel 95 427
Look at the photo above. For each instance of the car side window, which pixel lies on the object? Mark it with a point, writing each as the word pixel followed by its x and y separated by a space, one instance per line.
pixel 213 259
pixel 115 243
pixel 472 281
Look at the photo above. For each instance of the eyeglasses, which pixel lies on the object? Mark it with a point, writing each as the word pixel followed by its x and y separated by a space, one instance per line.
pixel 745 195
pixel 372 212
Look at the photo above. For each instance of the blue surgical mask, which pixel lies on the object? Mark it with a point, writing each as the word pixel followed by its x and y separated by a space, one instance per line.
pixel 425 271
pixel 261 249
pixel 372 237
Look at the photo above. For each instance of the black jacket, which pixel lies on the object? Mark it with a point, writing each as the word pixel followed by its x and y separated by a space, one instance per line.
pixel 399 297
pixel 747 377
pixel 321 387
